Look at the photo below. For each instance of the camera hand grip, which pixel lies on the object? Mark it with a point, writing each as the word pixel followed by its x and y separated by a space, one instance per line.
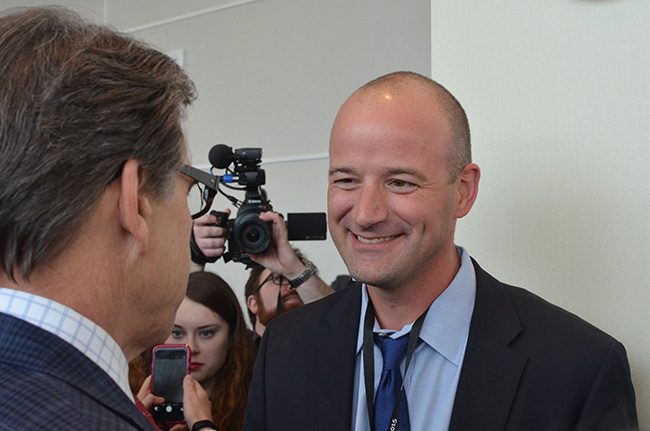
pixel 222 218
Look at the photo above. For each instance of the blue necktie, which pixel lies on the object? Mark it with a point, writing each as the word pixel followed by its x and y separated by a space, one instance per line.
pixel 393 352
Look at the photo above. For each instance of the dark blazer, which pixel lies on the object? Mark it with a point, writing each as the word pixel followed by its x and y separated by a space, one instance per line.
pixel 46 383
pixel 529 365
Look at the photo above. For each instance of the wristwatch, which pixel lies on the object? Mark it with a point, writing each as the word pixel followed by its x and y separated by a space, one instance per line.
pixel 204 426
pixel 310 269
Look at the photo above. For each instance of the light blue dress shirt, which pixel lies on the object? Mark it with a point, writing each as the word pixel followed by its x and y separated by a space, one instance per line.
pixel 433 373
pixel 67 324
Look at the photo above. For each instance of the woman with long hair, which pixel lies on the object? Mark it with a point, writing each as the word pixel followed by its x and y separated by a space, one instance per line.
pixel 211 322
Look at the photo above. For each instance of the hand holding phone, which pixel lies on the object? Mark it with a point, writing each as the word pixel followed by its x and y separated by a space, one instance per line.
pixel 170 365
pixel 197 406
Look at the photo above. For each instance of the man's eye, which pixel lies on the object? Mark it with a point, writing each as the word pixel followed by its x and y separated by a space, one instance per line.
pixel 402 186
pixel 345 182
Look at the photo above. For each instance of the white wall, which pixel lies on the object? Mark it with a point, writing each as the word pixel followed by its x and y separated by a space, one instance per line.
pixel 272 74
pixel 558 99
pixel 556 92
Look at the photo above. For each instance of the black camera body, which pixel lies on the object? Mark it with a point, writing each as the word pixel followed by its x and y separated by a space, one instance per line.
pixel 246 233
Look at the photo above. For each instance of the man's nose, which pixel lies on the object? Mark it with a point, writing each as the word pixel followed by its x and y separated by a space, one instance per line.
pixel 370 207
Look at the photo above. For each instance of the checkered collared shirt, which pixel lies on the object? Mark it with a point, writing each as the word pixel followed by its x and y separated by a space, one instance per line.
pixel 67 324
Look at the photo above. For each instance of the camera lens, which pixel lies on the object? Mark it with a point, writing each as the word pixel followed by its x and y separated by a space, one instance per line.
pixel 253 235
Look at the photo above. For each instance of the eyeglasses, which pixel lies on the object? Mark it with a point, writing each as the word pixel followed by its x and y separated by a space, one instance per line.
pixel 207 184
pixel 276 279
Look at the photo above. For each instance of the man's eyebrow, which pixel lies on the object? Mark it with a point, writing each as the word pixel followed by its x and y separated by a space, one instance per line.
pixel 407 171
pixel 388 171
pixel 341 170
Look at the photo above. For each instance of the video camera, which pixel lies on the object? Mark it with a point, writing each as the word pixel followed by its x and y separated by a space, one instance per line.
pixel 247 233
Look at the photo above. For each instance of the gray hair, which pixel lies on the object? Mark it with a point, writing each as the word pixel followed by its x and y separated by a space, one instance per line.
pixel 77 100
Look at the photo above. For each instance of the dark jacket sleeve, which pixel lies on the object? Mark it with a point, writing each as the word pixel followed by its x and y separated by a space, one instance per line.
pixel 255 416
pixel 611 403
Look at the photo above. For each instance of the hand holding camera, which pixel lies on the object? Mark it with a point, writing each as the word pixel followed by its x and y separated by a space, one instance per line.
pixel 248 233
pixel 257 236
pixel 209 238
pixel 279 257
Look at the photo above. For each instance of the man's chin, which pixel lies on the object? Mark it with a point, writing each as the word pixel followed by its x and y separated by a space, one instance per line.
pixel 375 280
pixel 370 271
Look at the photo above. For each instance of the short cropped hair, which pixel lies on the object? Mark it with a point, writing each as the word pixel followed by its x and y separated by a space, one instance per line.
pixel 252 286
pixel 77 100
pixel 451 107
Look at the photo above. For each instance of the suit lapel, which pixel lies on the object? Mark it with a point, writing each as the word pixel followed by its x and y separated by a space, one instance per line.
pixel 332 390
pixel 489 377
pixel 491 370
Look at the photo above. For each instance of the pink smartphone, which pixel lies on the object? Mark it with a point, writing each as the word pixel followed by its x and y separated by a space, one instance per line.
pixel 169 366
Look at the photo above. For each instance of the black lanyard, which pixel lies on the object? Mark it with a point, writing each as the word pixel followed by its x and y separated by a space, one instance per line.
pixel 279 306
pixel 369 362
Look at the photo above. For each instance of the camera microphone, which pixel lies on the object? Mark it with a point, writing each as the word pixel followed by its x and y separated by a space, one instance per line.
pixel 220 156
pixel 247 233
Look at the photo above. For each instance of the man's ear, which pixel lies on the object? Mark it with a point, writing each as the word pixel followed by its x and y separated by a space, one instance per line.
pixel 467 189
pixel 134 207
pixel 251 302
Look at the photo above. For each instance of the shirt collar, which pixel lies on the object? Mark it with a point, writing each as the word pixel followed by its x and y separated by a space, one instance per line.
pixel 85 335
pixel 446 325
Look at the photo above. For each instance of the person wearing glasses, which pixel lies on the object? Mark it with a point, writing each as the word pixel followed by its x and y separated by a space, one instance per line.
pixel 295 277
pixel 211 322
pixel 427 339
pixel 269 295
pixel 208 242
pixel 299 274
pixel 94 219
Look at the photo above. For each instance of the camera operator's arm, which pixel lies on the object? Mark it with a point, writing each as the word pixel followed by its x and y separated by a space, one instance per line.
pixel 209 239
pixel 312 289
pixel 280 258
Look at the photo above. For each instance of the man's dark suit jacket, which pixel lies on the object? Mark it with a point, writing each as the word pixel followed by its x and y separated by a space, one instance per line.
pixel 47 384
pixel 529 365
